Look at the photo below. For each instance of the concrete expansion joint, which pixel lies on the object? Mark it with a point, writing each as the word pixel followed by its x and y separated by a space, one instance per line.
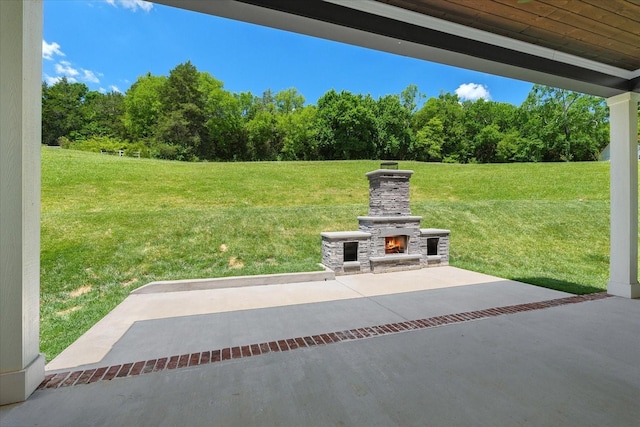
pixel 107 373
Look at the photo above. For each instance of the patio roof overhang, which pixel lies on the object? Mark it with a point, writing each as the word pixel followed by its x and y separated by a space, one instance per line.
pixel 589 46
pixel 585 46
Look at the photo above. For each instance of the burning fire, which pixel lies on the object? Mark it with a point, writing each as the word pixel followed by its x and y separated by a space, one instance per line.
pixel 394 244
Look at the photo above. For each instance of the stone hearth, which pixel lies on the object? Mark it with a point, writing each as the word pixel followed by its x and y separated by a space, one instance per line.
pixel 389 237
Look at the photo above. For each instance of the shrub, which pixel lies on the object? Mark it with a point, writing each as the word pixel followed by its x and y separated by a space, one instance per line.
pixel 98 144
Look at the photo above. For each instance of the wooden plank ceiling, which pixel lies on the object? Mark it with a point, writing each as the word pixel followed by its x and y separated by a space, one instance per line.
pixel 606 31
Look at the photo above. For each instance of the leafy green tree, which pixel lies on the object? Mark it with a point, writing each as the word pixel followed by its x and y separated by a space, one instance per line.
pixel 142 106
pixel 447 108
pixel 104 115
pixel 347 127
pixel 393 121
pixel 225 124
pixel 247 103
pixel 288 101
pixel 410 97
pixel 189 116
pixel 573 126
pixel 177 129
pixel 486 143
pixel 183 121
pixel 181 87
pixel 219 114
pixel 427 144
pixel 481 113
pixel 483 122
pixel 299 134
pixel 264 140
pixel 267 101
pixel 515 148
pixel 62 110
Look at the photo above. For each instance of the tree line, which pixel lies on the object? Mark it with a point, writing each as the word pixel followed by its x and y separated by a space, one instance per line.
pixel 188 115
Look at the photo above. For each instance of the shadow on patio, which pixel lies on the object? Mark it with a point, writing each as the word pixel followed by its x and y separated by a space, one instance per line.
pixel 435 347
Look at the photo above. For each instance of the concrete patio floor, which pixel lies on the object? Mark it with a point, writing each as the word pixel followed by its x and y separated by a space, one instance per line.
pixel 431 347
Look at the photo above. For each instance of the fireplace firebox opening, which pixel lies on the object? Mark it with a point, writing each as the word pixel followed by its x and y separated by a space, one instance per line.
pixel 350 251
pixel 395 245
pixel 432 245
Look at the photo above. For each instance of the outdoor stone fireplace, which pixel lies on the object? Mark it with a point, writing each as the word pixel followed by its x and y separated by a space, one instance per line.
pixel 389 238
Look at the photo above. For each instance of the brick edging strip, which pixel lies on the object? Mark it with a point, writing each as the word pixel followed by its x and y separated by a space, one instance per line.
pixel 89 376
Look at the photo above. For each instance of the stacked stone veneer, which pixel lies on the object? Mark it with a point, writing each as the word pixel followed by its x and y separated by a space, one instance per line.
pixel 389 193
pixel 389 215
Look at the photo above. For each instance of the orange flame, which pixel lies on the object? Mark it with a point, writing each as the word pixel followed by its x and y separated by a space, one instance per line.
pixel 394 245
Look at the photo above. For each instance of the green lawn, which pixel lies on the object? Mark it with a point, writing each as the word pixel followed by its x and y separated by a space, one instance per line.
pixel 110 224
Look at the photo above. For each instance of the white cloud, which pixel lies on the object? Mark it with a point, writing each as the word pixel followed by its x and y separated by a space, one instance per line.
pixel 89 76
pixel 132 4
pixel 64 68
pixel 473 92
pixel 51 80
pixel 115 88
pixel 50 49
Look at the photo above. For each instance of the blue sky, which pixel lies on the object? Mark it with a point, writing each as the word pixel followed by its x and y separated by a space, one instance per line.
pixel 108 44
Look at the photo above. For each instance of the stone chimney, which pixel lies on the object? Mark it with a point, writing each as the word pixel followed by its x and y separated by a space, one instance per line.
pixel 389 192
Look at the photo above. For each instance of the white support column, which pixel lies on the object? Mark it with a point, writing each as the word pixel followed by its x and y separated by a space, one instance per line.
pixel 21 364
pixel 623 274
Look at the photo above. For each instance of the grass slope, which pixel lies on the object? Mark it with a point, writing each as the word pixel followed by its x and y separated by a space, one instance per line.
pixel 111 224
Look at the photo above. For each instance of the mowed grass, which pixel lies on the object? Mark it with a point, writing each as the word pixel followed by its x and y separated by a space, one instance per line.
pixel 110 224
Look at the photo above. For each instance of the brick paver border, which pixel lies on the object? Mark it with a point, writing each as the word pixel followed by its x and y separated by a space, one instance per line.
pixel 89 376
